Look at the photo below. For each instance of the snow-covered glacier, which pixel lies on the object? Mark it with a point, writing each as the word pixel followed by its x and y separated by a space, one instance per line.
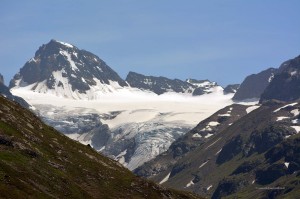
pixel 130 126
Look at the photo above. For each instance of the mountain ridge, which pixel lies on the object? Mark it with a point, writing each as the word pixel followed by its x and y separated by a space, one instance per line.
pixel 64 70
pixel 160 85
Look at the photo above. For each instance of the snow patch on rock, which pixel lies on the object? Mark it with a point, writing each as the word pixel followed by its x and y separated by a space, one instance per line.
pixel 209 187
pixel 165 179
pixel 251 108
pixel 197 135
pixel 202 165
pixel 189 184
pixel 292 104
pixel 295 112
pixel 297 128
pixel 281 118
pixel 286 164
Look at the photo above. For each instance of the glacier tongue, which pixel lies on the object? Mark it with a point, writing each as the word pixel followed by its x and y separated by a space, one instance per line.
pixel 144 141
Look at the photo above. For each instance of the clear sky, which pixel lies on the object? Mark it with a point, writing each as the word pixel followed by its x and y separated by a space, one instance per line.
pixel 220 40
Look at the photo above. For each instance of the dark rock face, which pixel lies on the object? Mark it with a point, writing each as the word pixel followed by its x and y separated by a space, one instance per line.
pixel 246 167
pixel 80 67
pixel 101 136
pixel 179 168
pixel 285 85
pixel 198 91
pixel 227 187
pixel 289 151
pixel 231 88
pixel 158 85
pixel 230 150
pixel 254 85
pixel 261 141
pixel 179 148
pixel 6 141
pixel 270 174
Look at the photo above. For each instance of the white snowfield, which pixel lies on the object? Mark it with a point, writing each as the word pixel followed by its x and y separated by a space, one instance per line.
pixel 141 113
pixel 136 105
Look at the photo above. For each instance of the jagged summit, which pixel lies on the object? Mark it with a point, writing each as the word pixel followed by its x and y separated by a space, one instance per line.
pixel 63 43
pixel 202 86
pixel 285 85
pixel 67 71
pixel 160 85
pixel 201 82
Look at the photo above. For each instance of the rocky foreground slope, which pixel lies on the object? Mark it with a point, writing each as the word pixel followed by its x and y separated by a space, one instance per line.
pixel 36 161
pixel 256 156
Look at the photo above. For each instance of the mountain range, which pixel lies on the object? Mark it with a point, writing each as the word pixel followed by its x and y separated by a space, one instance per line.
pixel 67 71
pixel 240 151
pixel 190 135
pixel 160 85
pixel 143 126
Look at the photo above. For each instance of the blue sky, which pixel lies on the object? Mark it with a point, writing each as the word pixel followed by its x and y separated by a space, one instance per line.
pixel 223 40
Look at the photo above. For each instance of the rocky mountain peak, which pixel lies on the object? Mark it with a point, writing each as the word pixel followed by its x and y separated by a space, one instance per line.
pixel 285 85
pixel 61 66
pixel 202 86
pixel 254 85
